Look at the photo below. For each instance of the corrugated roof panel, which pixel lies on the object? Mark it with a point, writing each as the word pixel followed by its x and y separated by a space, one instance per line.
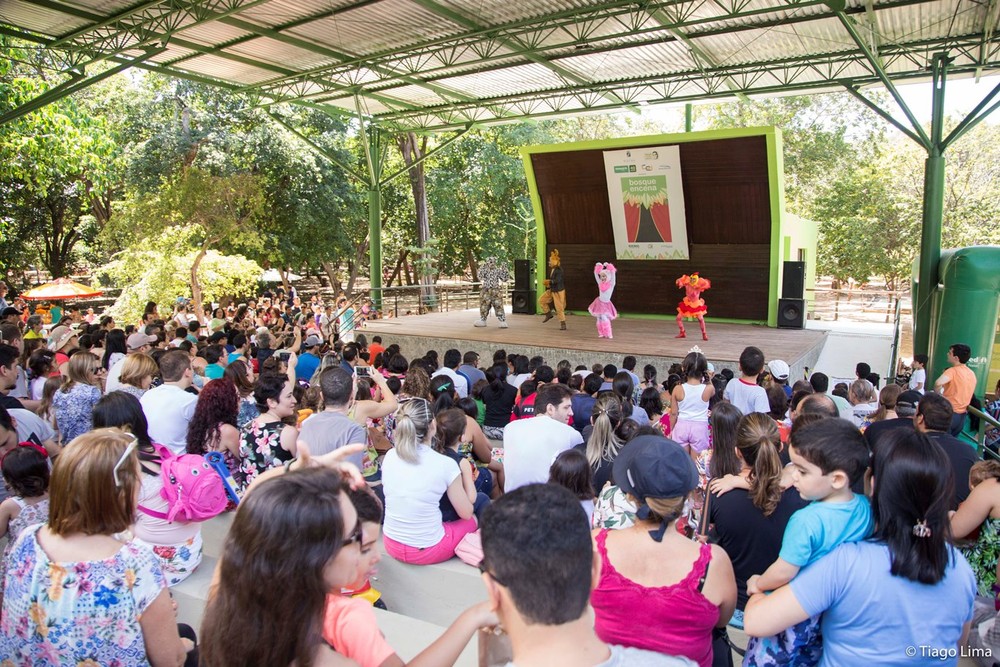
pixel 775 43
pixel 173 52
pixel 347 103
pixel 38 19
pixel 779 14
pixel 635 62
pixel 416 95
pixel 930 20
pixel 505 81
pixel 227 70
pixel 212 33
pixel 390 24
pixel 281 12
pixel 280 53
pixel 499 13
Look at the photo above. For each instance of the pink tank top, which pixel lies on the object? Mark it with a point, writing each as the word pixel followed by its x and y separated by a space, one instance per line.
pixel 675 619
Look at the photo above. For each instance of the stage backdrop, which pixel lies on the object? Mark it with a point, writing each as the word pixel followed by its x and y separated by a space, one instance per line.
pixel 647 203
pixel 733 197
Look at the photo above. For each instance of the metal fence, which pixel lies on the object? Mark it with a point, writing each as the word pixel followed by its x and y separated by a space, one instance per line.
pixel 403 300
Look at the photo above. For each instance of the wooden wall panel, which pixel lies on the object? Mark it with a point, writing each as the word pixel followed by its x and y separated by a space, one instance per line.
pixel 727 202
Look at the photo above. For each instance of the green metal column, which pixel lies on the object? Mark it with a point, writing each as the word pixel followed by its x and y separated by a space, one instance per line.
pixel 930 252
pixel 375 243
pixel 688 116
pixel 933 214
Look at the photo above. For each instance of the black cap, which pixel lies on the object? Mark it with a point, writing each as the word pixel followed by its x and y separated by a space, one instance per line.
pixel 10 310
pixel 908 402
pixel 651 466
pixel 217 336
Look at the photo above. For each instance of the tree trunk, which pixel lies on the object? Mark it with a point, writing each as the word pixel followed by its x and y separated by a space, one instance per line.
pixel 331 274
pixel 284 279
pixel 407 271
pixel 60 243
pixel 195 284
pixel 354 266
pixel 413 151
pixel 473 266
pixel 399 267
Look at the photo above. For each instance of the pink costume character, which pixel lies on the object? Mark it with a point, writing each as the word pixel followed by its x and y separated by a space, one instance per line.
pixel 601 307
pixel 692 306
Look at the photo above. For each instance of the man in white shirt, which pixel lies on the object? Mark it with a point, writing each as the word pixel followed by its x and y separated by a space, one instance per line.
pixel 530 445
pixel 449 366
pixel 137 343
pixel 169 408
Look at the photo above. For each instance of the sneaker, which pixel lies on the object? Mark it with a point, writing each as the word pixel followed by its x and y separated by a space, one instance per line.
pixel 480 323
pixel 548 316
pixel 562 325
pixel 503 324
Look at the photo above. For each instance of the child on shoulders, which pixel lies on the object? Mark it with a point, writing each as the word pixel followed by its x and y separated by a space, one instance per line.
pixel 828 457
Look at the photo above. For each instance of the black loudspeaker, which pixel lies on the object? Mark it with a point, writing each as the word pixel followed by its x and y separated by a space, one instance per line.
pixel 522 301
pixel 522 274
pixel 791 313
pixel 793 280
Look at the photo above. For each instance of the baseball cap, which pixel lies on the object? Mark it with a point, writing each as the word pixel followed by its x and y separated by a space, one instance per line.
pixel 652 466
pixel 906 403
pixel 778 368
pixel 59 337
pixel 312 341
pixel 217 336
pixel 137 340
pixel 10 310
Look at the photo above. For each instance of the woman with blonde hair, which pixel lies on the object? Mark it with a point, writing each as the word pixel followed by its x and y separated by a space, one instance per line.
pixel 750 522
pixel 886 405
pixel 80 595
pixel 414 478
pixel 137 374
pixel 79 393
pixel 604 442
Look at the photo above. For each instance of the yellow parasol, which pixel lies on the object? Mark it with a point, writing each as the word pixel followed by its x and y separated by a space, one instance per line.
pixel 60 289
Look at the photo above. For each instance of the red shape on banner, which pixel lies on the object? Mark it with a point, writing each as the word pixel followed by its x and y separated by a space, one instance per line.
pixel 632 221
pixel 661 218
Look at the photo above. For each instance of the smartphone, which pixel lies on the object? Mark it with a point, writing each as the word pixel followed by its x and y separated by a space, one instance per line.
pixel 283 356
pixel 362 371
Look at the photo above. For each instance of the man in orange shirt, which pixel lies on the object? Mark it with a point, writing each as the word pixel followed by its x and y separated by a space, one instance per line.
pixel 957 384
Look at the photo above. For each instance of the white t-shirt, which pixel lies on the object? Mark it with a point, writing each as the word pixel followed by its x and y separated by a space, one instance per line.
pixel 113 381
pixel 634 657
pixel 413 492
pixel 530 446
pixel 169 410
pixel 747 397
pixel 461 384
pixel 918 378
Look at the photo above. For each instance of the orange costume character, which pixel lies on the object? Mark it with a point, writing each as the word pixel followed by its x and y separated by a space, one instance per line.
pixel 693 306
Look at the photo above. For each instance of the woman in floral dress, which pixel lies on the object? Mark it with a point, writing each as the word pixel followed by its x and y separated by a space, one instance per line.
pixel 75 594
pixel 267 441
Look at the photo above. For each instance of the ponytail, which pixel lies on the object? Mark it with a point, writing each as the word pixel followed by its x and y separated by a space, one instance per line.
pixel 413 420
pixel 604 442
pixel 758 438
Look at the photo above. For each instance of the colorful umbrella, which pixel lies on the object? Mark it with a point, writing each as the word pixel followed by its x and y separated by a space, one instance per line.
pixel 59 289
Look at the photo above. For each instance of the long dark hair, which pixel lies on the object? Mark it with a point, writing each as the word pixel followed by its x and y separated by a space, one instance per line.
pixel 217 404
pixel 442 393
pixel 914 486
pixel 725 421
pixel 118 409
pixel 497 377
pixel 286 530
pixel 113 342
pixel 236 372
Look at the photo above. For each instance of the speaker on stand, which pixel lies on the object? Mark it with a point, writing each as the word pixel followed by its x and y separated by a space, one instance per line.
pixel 522 300
pixel 792 304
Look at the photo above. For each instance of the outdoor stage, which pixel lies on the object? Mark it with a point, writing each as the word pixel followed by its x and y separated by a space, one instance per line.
pixel 650 341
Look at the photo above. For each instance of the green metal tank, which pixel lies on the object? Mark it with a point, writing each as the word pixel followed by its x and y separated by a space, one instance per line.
pixel 965 307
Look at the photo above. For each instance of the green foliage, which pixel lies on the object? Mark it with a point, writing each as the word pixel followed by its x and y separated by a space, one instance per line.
pixel 160 272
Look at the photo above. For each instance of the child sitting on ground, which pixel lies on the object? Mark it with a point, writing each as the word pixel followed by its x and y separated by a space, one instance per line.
pixel 26 474
pixel 572 470
pixel 828 457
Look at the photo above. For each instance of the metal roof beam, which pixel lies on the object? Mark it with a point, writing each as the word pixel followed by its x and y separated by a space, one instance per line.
pixel 524 50
pixel 973 118
pixel 884 78
pixel 990 18
pixel 320 150
pixel 67 88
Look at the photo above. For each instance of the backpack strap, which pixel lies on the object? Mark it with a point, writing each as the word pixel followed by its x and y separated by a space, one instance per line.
pixel 152 513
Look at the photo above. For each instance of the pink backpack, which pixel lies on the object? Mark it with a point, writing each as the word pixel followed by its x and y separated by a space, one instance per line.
pixel 192 487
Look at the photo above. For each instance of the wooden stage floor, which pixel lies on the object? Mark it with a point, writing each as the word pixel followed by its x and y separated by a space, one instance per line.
pixel 644 338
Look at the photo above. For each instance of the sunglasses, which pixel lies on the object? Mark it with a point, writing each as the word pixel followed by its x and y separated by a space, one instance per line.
pixel 484 569
pixel 124 457
pixel 354 537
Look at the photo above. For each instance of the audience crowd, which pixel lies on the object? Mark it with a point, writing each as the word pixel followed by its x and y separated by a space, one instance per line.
pixel 834 526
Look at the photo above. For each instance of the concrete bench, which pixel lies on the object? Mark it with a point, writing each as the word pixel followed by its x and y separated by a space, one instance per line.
pixel 434 593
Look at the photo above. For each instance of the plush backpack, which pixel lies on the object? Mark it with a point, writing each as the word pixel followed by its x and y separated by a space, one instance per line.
pixel 193 486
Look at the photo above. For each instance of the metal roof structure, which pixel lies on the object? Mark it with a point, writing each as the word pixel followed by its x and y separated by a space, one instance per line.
pixel 432 65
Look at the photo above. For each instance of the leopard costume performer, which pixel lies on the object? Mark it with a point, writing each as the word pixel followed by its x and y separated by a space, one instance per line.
pixel 492 275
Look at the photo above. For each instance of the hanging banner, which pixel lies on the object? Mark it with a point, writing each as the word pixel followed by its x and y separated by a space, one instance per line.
pixel 647 203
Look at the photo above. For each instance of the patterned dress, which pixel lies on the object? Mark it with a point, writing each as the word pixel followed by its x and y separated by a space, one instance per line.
pixel 260 450
pixel 982 556
pixel 83 613
pixel 29 516
pixel 74 410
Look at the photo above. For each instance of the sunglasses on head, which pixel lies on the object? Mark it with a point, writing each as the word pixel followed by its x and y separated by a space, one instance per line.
pixel 128 450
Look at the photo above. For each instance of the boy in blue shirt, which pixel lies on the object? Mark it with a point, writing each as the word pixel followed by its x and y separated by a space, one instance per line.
pixel 828 457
